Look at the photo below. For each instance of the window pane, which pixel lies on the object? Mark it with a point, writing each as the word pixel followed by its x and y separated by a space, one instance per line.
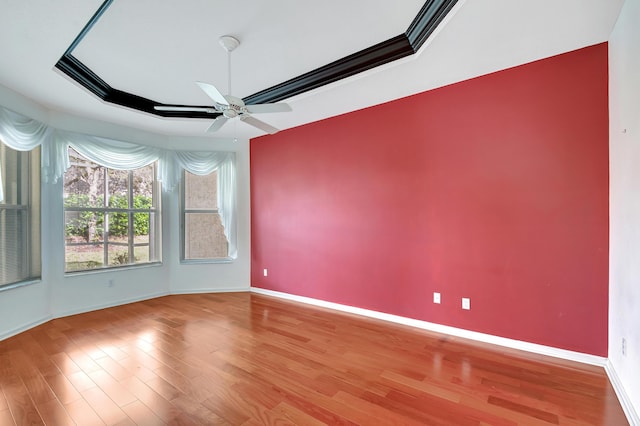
pixel 83 183
pixel 15 235
pixel 118 189
pixel 143 183
pixel 83 257
pixel 142 254
pixel 145 248
pixel 201 192
pixel 84 235
pixel 141 226
pixel 118 254
pixel 19 215
pixel 204 236
pixel 118 246
pixel 118 227
pixel 83 226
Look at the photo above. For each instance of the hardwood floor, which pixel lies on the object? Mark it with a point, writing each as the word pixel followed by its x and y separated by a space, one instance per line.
pixel 247 359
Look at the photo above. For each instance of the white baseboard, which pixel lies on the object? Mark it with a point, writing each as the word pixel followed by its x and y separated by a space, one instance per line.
pixel 65 313
pixel 211 290
pixel 120 302
pixel 444 329
pixel 23 328
pixel 625 401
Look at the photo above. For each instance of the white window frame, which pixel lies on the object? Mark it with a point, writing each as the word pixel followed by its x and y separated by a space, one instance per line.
pixel 155 225
pixel 183 215
pixel 30 269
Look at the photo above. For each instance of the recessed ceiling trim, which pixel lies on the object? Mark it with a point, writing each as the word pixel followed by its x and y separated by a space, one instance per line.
pixel 423 25
pixel 430 16
pixel 78 71
pixel 427 20
pixel 371 57
pixel 96 16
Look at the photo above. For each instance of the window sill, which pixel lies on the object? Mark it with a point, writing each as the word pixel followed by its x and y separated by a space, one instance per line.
pixel 112 269
pixel 20 284
pixel 206 261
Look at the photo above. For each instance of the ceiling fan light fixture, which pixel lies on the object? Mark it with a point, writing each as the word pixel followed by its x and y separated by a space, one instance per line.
pixel 230 113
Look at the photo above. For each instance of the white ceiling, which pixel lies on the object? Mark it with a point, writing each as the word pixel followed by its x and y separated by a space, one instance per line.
pixel 158 48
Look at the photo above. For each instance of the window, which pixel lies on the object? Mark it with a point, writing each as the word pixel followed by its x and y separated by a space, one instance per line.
pixel 112 217
pixel 19 215
pixel 203 234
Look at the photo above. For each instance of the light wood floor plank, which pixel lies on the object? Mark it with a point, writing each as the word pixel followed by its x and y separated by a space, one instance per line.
pixel 82 413
pixel 6 418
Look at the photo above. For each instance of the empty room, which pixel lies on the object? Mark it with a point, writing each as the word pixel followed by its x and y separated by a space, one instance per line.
pixel 307 213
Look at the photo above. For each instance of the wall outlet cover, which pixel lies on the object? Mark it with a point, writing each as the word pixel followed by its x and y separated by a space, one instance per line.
pixel 466 303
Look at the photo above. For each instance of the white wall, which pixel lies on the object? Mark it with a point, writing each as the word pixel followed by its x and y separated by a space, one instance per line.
pixel 624 257
pixel 235 276
pixel 58 294
pixel 24 307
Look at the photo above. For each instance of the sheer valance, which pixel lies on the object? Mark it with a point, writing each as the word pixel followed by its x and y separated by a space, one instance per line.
pixel 109 153
pixel 24 134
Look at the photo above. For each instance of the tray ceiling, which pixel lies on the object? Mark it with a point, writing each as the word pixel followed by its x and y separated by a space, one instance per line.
pixel 157 49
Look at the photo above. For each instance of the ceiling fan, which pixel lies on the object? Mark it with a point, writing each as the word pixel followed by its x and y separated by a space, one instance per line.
pixel 230 106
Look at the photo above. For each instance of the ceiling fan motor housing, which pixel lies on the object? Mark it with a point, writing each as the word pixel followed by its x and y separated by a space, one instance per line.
pixel 235 108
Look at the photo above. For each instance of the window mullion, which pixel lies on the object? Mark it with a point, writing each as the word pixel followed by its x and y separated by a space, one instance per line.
pixel 130 216
pixel 155 200
pixel 107 218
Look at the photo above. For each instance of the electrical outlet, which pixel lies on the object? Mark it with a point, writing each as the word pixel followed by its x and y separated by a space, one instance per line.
pixel 466 303
pixel 110 283
pixel 436 297
pixel 624 346
pixel 265 272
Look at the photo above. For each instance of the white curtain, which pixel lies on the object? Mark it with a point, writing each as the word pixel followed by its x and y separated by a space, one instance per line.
pixel 106 152
pixel 24 134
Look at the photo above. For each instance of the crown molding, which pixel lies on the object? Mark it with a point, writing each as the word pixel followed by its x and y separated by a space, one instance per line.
pixel 423 25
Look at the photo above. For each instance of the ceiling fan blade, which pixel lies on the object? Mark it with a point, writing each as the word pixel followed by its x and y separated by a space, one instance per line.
pixel 259 124
pixel 217 124
pixel 184 108
pixel 213 93
pixel 264 108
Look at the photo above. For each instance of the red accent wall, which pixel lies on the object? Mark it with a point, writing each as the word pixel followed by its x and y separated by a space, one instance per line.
pixel 495 188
